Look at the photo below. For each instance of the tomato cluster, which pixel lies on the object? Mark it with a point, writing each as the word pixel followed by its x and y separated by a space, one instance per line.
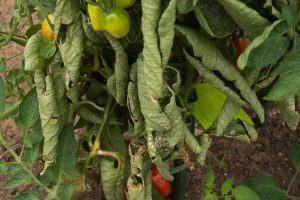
pixel 116 21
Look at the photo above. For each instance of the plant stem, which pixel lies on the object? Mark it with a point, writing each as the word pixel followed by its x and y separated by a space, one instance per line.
pixel 292 181
pixel 105 116
pixel 44 11
pixel 11 111
pixel 90 103
pixel 14 56
pixel 29 17
pixel 16 38
pixel 19 161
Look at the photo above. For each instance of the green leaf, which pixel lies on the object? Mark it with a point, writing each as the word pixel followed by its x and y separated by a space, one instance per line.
pixel 265 187
pixel 210 180
pixel 244 193
pixel 35 136
pixel 294 155
pixel 2 65
pixel 185 6
pixel 47 49
pixel 66 159
pixel 209 104
pixel 166 32
pixel 112 186
pixel 290 15
pixel 2 95
pixel 263 57
pixel 33 30
pixel 67 192
pixel 226 187
pixel 121 70
pixel 273 29
pixel 28 111
pixel 90 114
pixel 33 59
pixel 289 79
pixel 247 18
pixel 26 196
pixel 3 168
pixel 17 180
pixel 31 154
pixel 213 18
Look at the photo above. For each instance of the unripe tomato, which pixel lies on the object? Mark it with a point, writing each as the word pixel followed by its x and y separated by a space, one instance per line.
pixel 161 185
pixel 117 22
pixel 96 15
pixel 47 31
pixel 240 44
pixel 125 3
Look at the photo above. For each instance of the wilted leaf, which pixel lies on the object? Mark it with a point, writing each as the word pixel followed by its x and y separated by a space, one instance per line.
pixel 33 59
pixel 213 18
pixel 247 18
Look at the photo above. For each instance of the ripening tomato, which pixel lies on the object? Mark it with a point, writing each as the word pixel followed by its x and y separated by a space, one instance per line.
pixel 47 31
pixel 240 44
pixel 161 185
pixel 124 196
pixel 96 15
pixel 125 3
pixel 117 22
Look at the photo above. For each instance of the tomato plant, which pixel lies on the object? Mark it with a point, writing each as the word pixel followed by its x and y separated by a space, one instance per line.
pixel 113 92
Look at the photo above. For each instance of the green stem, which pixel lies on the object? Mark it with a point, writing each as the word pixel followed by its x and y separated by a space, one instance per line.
pixel 16 21
pixel 10 112
pixel 44 12
pixel 14 56
pixel 16 38
pixel 28 13
pixel 105 116
pixel 292 181
pixel 78 104
pixel 19 161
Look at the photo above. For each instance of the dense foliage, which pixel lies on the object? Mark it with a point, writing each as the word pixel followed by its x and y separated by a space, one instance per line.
pixel 132 77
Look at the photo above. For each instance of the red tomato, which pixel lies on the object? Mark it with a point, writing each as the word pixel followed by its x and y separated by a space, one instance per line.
pixel 124 196
pixel 240 44
pixel 161 185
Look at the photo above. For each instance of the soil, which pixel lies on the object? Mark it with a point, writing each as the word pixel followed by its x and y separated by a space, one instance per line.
pixel 229 158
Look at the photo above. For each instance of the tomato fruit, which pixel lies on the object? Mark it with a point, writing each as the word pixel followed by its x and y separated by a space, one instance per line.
pixel 117 22
pixel 47 31
pixel 125 3
pixel 96 15
pixel 240 44
pixel 161 185
pixel 124 196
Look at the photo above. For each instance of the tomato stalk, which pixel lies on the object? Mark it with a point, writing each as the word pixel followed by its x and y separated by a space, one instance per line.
pixel 12 152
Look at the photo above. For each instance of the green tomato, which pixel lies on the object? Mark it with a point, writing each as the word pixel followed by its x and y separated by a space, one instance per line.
pixel 125 3
pixel 117 22
pixel 96 15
